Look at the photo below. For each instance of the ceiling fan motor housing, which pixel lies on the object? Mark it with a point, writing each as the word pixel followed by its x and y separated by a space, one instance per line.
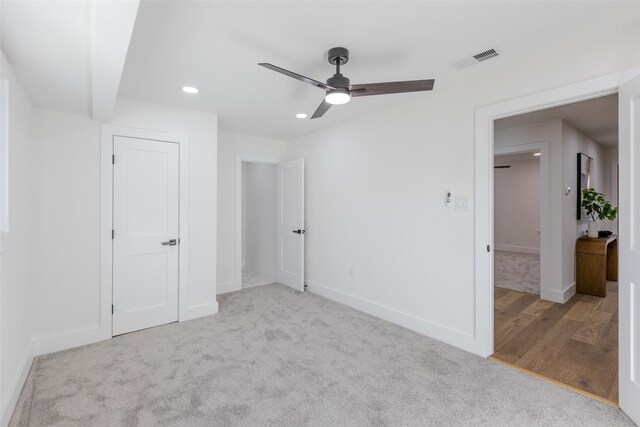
pixel 339 82
pixel 338 53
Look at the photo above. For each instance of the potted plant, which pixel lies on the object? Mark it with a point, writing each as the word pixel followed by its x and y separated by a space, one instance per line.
pixel 598 208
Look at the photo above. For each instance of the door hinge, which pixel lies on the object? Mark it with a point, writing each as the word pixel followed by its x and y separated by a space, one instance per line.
pixel 488 248
pixel 113 234
pixel 113 159
pixel 112 309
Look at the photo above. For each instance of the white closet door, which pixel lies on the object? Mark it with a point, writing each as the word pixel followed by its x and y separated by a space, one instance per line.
pixel 291 223
pixel 629 248
pixel 145 223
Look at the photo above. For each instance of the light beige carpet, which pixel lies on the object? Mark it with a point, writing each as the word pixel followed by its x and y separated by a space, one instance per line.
pixel 276 357
pixel 517 271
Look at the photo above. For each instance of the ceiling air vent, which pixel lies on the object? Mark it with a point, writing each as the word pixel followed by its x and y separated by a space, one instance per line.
pixel 487 54
pixel 475 59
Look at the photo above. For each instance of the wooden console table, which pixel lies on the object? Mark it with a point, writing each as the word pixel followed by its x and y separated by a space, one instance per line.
pixel 596 262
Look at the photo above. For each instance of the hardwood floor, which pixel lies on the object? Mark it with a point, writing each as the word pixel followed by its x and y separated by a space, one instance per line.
pixel 575 343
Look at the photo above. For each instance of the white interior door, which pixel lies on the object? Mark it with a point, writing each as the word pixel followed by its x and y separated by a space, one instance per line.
pixel 291 223
pixel 629 248
pixel 145 238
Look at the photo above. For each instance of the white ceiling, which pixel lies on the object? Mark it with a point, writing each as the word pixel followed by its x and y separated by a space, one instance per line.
pixel 597 118
pixel 215 45
pixel 48 44
pixel 68 55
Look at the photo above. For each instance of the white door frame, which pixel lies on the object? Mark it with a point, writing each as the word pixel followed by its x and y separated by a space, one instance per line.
pixel 244 158
pixel 484 151
pixel 106 217
pixel 545 206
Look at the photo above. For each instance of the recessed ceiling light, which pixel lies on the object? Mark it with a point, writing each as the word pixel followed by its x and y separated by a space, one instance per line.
pixel 301 115
pixel 190 89
pixel 537 154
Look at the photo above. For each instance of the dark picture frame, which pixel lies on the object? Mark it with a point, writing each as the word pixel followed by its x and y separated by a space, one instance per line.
pixel 585 180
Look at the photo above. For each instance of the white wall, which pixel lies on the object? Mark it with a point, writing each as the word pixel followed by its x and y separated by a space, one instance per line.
pixel 16 266
pixel 66 248
pixel 573 142
pixel 375 191
pixel 260 211
pixel 517 206
pixel 611 184
pixel 230 147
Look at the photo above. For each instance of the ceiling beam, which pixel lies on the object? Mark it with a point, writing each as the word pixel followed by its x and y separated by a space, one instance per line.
pixel 113 23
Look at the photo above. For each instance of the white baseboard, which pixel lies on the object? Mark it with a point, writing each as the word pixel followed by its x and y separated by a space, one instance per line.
pixel 15 388
pixel 431 329
pixel 568 292
pixel 560 296
pixel 202 310
pixel 67 340
pixel 223 288
pixel 516 248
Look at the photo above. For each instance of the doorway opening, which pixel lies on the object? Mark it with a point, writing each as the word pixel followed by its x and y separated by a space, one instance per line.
pixel 259 224
pixel 517 222
pixel 556 293
pixel 270 230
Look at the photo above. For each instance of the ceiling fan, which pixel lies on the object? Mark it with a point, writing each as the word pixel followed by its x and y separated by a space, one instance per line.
pixel 339 90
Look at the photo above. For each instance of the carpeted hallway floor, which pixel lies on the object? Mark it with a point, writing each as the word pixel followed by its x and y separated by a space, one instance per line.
pixel 281 358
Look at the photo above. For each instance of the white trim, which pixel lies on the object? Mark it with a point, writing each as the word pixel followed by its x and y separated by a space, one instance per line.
pixel 16 386
pixel 106 217
pixel 4 155
pixel 613 184
pixel 202 310
pixel 614 191
pixel 426 327
pixel 484 119
pixel 4 164
pixel 59 342
pixel 562 296
pixel 516 248
pixel 223 288
pixel 240 158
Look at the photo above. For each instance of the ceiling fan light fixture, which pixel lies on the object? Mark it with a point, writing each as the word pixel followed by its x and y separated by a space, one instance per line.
pixel 337 97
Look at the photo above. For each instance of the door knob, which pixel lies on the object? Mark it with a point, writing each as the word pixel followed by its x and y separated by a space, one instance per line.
pixel 298 231
pixel 171 242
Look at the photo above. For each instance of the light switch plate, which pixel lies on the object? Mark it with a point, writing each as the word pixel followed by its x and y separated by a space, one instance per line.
pixel 462 203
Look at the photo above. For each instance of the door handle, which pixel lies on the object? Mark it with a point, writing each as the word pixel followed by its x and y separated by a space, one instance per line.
pixel 298 231
pixel 171 242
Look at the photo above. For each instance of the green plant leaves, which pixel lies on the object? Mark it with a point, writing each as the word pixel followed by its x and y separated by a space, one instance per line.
pixel 596 206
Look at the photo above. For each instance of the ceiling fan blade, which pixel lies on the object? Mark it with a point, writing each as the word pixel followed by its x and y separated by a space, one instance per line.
pixel 502 167
pixel 296 76
pixel 322 108
pixel 391 87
